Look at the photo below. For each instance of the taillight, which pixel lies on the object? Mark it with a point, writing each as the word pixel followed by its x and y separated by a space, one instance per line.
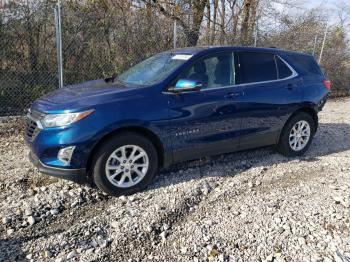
pixel 327 84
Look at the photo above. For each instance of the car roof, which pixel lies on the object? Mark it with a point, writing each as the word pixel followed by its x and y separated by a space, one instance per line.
pixel 209 49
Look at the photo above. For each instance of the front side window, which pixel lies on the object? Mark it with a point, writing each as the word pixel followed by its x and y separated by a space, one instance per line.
pixel 153 70
pixel 212 71
pixel 256 67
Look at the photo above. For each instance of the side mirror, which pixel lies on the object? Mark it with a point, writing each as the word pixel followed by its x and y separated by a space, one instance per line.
pixel 186 85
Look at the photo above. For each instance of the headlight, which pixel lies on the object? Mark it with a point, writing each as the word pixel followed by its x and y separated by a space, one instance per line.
pixel 56 120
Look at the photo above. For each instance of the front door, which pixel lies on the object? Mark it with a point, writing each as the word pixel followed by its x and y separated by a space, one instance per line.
pixel 206 122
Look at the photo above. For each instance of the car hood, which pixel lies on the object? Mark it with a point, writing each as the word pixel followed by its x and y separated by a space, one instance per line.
pixel 84 95
pixel 83 90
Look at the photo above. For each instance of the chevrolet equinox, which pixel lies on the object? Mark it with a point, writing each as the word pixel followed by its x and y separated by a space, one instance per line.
pixel 175 106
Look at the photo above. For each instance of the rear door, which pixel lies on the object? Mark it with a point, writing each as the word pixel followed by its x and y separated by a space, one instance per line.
pixel 271 92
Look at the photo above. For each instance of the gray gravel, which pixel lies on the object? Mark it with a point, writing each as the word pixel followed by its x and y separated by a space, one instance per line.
pixel 249 206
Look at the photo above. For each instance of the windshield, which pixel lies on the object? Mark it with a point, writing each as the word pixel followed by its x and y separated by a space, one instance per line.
pixel 153 70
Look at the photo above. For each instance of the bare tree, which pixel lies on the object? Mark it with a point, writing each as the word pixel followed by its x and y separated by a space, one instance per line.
pixel 195 12
pixel 222 21
pixel 215 15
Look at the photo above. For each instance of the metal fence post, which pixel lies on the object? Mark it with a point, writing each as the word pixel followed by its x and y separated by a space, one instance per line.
pixel 175 25
pixel 323 43
pixel 256 34
pixel 59 43
pixel 175 33
pixel 315 43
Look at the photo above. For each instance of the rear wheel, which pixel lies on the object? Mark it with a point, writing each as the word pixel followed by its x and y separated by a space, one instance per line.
pixel 124 164
pixel 297 135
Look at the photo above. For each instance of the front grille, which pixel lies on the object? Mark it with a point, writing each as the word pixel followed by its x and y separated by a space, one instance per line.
pixel 32 129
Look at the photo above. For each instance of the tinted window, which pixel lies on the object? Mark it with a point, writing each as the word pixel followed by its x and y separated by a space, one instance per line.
pixel 256 67
pixel 213 71
pixel 283 70
pixel 305 63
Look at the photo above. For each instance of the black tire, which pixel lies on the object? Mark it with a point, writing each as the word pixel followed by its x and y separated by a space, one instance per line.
pixel 284 146
pixel 108 147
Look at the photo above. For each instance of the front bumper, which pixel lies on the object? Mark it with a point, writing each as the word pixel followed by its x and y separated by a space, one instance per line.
pixel 76 175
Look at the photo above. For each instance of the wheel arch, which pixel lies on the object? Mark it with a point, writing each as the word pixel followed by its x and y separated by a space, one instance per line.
pixel 306 109
pixel 133 129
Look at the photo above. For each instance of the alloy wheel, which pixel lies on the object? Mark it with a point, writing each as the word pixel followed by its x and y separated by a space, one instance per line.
pixel 127 166
pixel 299 135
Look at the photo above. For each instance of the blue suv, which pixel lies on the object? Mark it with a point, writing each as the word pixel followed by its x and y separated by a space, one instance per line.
pixel 176 106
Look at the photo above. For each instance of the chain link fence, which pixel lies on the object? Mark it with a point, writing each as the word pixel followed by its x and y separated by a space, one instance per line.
pixel 26 71
pixel 96 43
pixel 98 40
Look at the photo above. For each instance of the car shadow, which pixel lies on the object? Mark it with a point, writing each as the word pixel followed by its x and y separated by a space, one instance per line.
pixel 330 138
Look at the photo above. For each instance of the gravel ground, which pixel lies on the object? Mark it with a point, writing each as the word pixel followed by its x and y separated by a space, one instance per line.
pixel 248 206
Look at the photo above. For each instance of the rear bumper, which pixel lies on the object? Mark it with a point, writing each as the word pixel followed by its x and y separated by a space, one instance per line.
pixel 76 175
pixel 321 104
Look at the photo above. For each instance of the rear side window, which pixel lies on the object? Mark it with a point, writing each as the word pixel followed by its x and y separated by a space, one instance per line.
pixel 283 71
pixel 256 67
pixel 305 63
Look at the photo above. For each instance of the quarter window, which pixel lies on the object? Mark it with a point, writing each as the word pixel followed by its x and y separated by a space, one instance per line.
pixel 306 63
pixel 213 71
pixel 282 69
pixel 256 67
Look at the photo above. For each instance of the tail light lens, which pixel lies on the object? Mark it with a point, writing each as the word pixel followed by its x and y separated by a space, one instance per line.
pixel 327 84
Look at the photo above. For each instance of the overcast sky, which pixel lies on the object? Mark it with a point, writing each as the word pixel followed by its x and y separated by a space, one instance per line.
pixel 316 3
pixel 331 5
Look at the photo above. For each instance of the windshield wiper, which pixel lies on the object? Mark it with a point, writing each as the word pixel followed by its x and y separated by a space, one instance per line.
pixel 111 79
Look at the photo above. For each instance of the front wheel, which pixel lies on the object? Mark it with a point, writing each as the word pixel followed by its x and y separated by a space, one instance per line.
pixel 124 164
pixel 297 135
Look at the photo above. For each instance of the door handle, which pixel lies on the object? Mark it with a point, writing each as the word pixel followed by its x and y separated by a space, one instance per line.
pixel 232 95
pixel 291 86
